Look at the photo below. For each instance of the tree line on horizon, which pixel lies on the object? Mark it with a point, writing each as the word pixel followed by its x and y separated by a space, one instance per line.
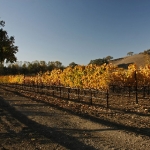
pixel 32 68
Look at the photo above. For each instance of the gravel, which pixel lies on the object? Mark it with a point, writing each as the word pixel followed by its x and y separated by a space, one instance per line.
pixel 31 121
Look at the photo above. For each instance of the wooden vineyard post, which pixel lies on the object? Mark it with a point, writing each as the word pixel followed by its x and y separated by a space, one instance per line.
pixel 136 90
pixel 41 88
pixel 113 88
pixel 60 91
pixel 129 91
pixel 90 96
pixel 78 91
pixel 144 91
pixel 68 93
pixel 148 90
pixel 107 97
pixel 53 90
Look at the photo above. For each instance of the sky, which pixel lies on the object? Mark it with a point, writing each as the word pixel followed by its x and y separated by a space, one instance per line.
pixel 76 30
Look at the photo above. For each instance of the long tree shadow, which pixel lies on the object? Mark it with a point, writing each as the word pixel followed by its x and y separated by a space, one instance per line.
pixel 55 134
pixel 14 134
pixel 142 131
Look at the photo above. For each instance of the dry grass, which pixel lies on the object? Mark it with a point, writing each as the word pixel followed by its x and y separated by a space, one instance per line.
pixel 138 59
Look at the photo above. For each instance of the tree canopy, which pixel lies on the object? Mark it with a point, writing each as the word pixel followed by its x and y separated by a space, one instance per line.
pixel 130 53
pixel 147 51
pixel 7 47
pixel 99 61
pixel 72 64
pixel 108 58
pixel 30 68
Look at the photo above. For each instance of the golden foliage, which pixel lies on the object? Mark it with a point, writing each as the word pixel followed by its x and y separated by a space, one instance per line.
pixel 90 76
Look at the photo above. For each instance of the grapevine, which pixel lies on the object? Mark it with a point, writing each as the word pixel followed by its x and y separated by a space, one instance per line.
pixel 87 77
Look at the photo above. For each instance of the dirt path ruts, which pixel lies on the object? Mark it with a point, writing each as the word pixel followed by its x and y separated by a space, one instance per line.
pixel 15 135
pixel 42 126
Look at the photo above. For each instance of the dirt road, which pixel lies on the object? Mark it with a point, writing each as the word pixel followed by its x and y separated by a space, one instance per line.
pixel 28 124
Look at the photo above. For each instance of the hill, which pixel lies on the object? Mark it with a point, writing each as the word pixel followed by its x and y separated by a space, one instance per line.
pixel 138 59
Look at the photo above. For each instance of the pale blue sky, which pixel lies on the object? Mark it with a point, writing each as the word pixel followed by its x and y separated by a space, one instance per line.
pixel 76 30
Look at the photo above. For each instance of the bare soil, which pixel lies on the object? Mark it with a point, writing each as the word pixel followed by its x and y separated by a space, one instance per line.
pixel 33 121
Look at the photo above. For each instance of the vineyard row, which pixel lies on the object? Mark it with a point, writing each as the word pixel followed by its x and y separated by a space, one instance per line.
pixel 87 77
pixel 89 96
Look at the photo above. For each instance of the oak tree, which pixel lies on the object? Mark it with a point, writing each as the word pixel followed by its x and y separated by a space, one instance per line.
pixel 7 47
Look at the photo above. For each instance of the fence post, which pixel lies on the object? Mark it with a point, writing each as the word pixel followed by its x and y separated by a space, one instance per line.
pixel 129 91
pixel 136 89
pixel 78 91
pixel 107 97
pixel 143 91
pixel 90 96
pixel 113 88
pixel 68 93
pixel 60 90
pixel 53 91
